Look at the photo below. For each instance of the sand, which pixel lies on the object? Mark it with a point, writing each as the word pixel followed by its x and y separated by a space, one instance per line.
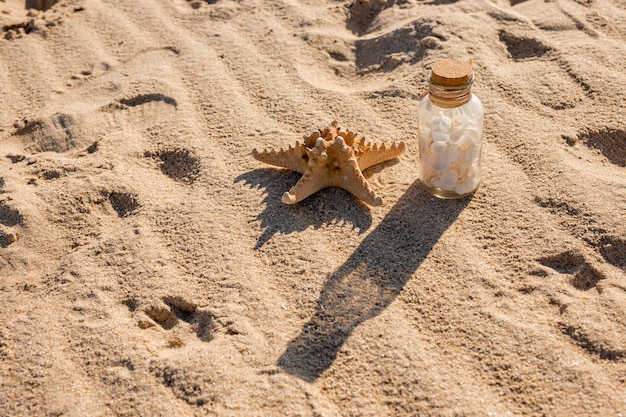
pixel 149 268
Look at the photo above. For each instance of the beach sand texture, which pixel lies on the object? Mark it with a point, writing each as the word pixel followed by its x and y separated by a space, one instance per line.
pixel 149 268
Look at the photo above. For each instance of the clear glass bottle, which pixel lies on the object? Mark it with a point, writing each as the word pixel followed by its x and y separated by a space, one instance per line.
pixel 450 131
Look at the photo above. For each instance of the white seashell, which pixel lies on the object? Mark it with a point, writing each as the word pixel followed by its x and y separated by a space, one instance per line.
pixel 472 173
pixel 451 154
pixel 441 123
pixel 463 168
pixel 440 136
pixel 450 176
pixel 438 147
pixel 448 180
pixel 463 187
pixel 471 154
pixel 473 134
pixel 467 186
pixel 438 162
pixel 458 136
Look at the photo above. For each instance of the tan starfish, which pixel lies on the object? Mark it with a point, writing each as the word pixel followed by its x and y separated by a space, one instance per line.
pixel 331 157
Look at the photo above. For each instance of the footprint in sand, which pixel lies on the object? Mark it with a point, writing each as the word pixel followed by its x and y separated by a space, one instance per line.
pixel 140 111
pixel 186 383
pixel 613 250
pixel 59 135
pixel 63 132
pixel 390 48
pixel 124 203
pixel 362 13
pixel 583 224
pixel 608 141
pixel 582 275
pixel 522 47
pixel 9 219
pixel 561 87
pixel 52 134
pixel 564 24
pixel 178 164
pixel 590 316
pixel 590 320
pixel 371 41
pixel 406 45
pixel 592 345
pixel 175 310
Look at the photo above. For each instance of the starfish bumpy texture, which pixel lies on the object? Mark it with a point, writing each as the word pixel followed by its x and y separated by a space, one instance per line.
pixel 331 157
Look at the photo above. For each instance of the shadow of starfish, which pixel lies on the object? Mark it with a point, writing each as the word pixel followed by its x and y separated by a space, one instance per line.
pixel 328 206
pixel 370 279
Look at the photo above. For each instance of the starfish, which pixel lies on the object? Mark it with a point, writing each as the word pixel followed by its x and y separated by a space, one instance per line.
pixel 331 157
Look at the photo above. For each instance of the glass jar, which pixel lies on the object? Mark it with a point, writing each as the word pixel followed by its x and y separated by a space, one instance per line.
pixel 450 131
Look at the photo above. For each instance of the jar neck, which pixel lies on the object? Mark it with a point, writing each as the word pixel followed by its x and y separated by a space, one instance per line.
pixel 450 97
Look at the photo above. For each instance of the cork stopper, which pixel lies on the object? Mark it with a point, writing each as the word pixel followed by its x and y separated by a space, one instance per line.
pixel 451 73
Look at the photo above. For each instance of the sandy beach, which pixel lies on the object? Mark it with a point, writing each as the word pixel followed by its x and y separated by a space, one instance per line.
pixel 148 266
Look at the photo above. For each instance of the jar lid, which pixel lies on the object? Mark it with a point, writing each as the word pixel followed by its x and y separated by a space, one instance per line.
pixel 451 73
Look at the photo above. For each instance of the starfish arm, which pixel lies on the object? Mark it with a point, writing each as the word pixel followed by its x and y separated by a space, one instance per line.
pixel 352 180
pixel 314 178
pixel 307 185
pixel 292 158
pixel 375 154
pixel 348 137
pixel 309 141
